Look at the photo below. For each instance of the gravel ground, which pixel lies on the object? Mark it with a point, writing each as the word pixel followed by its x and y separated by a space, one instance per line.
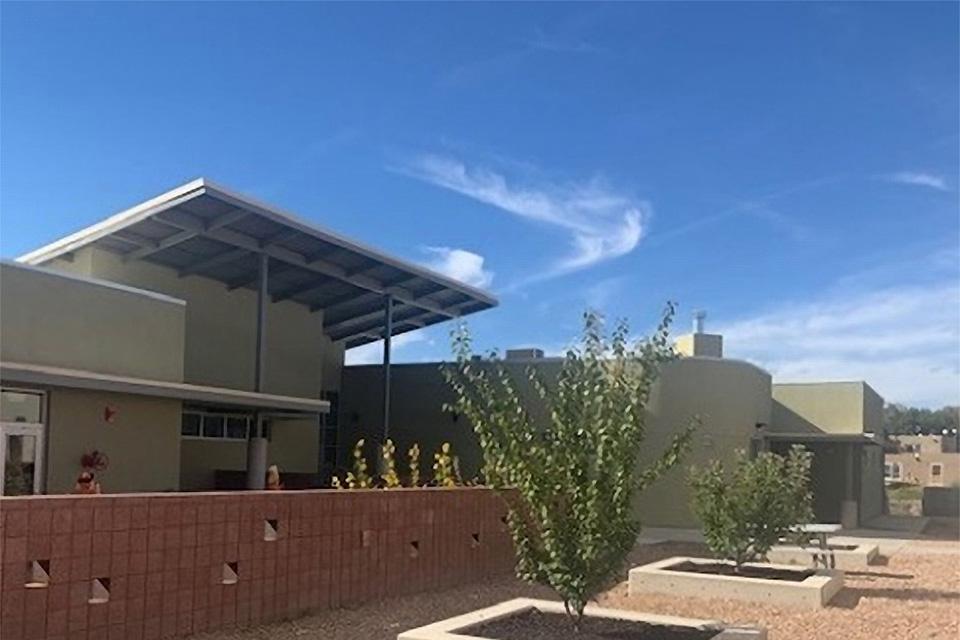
pixel 906 596
pixel 914 596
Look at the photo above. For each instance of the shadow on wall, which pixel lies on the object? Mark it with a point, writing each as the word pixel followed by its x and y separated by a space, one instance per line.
pixel 785 419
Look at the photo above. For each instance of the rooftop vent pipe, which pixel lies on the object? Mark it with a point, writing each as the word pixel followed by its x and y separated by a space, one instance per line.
pixel 698 318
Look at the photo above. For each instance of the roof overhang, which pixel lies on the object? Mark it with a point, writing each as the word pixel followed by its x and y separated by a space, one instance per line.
pixel 207 230
pixel 854 438
pixel 32 374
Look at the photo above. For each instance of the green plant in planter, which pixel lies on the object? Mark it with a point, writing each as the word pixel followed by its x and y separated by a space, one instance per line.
pixel 745 512
pixel 414 465
pixel 444 473
pixel 574 473
pixel 358 478
pixel 389 476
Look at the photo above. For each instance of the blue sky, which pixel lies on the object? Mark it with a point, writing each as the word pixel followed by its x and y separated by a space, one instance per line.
pixel 790 168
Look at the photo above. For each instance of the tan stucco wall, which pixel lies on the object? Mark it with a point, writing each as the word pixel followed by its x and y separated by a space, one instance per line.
pixel 50 319
pixel 220 338
pixel 730 396
pixel 830 407
pixel 293 447
pixel 142 441
pixel 918 471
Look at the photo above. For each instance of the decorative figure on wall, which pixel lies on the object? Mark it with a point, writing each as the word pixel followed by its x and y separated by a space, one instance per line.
pixel 273 478
pixel 86 484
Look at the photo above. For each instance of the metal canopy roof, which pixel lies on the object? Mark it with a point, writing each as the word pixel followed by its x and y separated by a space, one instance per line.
pixel 206 230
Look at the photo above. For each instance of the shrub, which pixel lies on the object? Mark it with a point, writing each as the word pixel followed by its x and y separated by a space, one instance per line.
pixel 746 512
pixel 575 473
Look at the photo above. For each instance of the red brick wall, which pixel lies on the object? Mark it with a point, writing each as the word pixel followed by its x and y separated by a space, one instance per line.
pixel 164 554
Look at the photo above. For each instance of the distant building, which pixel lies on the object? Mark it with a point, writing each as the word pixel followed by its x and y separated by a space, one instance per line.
pixel 928 461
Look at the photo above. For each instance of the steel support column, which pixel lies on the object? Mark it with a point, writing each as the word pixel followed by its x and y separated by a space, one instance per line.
pixel 387 335
pixel 257 446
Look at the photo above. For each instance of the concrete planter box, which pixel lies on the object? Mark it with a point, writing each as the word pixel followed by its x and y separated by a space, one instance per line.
pixel 854 559
pixel 455 628
pixel 812 593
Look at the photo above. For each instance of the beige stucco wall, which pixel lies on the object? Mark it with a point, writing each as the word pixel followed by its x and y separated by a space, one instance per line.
pixel 917 471
pixel 830 407
pixel 730 396
pixel 142 440
pixel 293 447
pixel 50 319
pixel 220 339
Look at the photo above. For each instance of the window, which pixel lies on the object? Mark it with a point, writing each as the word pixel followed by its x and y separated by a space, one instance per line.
pixel 936 473
pixel 331 429
pixel 21 406
pixel 892 470
pixel 212 425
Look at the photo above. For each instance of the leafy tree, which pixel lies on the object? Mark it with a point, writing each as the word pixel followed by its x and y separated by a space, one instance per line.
pixel 576 472
pixel 901 419
pixel 746 512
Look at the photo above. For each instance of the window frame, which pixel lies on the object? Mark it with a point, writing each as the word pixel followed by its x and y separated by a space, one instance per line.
pixel 936 477
pixel 225 416
pixel 896 471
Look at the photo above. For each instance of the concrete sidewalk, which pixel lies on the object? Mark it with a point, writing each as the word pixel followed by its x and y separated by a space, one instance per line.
pixel 891 534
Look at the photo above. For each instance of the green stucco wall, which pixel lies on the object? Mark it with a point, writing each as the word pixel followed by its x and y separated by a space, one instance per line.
pixel 48 319
pixel 142 440
pixel 730 397
pixel 828 407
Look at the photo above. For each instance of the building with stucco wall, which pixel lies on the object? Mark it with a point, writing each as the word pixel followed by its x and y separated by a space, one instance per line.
pixel 735 401
pixel 924 460
pixel 192 340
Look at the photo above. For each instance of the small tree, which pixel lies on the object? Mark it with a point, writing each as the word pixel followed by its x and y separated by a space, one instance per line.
pixel 746 512
pixel 575 473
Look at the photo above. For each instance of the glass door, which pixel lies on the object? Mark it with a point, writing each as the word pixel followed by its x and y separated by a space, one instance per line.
pixel 21 449
pixel 21 441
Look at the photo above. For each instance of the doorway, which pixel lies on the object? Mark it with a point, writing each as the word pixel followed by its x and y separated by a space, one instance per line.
pixel 21 442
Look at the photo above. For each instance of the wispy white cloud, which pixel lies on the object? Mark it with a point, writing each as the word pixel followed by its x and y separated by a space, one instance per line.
pixel 556 43
pixel 920 179
pixel 460 264
pixel 602 223
pixel 372 352
pixel 903 340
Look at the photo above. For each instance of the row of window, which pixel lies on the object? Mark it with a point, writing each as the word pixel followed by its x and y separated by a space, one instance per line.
pixel 214 425
pixel 894 471
pixel 211 425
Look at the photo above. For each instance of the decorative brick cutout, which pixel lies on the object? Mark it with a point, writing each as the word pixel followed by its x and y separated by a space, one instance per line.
pixel 271 530
pixel 474 540
pixel 38 574
pixel 99 591
pixel 230 574
pixel 414 548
